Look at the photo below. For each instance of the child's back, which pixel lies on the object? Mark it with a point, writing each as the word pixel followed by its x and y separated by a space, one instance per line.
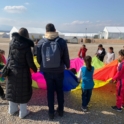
pixel 87 78
pixel 86 74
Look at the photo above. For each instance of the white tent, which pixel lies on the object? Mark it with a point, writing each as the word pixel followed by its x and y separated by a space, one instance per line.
pixel 34 33
pixel 113 33
pixel 4 35
pixel 79 35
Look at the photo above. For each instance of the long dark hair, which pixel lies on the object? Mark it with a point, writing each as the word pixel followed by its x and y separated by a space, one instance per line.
pixel 121 52
pixel 88 61
pixel 24 32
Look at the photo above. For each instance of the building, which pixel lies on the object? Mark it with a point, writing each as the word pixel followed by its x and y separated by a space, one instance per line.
pixel 4 35
pixel 112 33
pixel 74 37
pixel 34 33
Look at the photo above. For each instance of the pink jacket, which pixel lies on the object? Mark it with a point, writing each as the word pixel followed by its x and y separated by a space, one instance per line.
pixel 4 60
pixel 120 74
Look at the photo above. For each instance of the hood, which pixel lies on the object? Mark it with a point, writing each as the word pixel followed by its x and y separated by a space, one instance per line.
pixel 21 42
pixel 51 35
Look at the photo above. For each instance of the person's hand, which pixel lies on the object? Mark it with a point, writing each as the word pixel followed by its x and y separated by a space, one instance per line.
pixel 38 70
pixel 96 54
pixel 111 81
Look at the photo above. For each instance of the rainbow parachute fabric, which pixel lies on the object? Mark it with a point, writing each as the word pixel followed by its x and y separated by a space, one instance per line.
pixel 70 81
pixel 103 73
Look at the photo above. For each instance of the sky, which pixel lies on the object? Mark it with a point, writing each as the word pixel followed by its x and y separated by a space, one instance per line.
pixel 66 15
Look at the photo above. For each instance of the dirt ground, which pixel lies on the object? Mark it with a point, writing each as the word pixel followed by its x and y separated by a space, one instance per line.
pixel 100 111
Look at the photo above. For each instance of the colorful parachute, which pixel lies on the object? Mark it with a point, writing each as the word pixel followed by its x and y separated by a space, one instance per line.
pixel 96 63
pixel 102 75
pixel 36 63
pixel 76 63
pixel 70 81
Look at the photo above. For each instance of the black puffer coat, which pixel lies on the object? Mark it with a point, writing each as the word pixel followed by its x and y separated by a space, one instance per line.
pixel 19 89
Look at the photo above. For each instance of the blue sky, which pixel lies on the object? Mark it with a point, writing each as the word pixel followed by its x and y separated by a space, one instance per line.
pixel 67 15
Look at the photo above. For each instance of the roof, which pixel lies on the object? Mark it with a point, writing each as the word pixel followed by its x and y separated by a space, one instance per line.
pixel 35 30
pixel 80 34
pixel 115 29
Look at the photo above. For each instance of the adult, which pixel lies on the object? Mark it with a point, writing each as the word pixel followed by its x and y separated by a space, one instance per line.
pixel 19 83
pixel 101 53
pixel 53 56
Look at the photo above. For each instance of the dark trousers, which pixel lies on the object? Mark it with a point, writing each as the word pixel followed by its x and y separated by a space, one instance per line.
pixel 1 91
pixel 86 95
pixel 55 83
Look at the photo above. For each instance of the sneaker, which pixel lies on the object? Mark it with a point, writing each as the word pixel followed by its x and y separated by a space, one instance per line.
pixel 116 108
pixel 60 113
pixel 3 97
pixel 122 107
pixel 51 116
pixel 14 113
pixel 23 116
pixel 84 109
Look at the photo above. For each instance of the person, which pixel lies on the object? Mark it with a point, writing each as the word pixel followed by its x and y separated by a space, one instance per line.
pixel 2 95
pixel 86 74
pixel 53 56
pixel 110 55
pixel 19 83
pixel 82 52
pixel 35 48
pixel 119 78
pixel 101 53
pixel 3 56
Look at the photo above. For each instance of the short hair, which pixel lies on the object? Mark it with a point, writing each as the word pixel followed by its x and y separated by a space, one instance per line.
pixel 50 28
pixel 100 45
pixel 84 45
pixel 111 48
pixel 24 32
pixel 121 52
pixel 2 51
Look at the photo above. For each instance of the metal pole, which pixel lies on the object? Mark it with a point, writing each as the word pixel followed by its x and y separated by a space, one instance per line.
pixel 86 33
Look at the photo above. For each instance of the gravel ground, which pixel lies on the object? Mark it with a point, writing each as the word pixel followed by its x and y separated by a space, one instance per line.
pixel 100 111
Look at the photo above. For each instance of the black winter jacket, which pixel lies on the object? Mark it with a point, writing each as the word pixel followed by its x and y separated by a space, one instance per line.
pixel 64 57
pixel 19 83
pixel 102 55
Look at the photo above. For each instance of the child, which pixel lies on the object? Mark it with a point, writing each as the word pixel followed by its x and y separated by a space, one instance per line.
pixel 119 78
pixel 101 53
pixel 86 74
pixel 3 56
pixel 35 48
pixel 2 95
pixel 110 55
pixel 82 52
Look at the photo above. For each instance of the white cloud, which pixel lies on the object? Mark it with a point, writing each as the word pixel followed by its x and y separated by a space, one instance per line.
pixel 77 22
pixel 92 26
pixel 22 23
pixel 27 3
pixel 15 9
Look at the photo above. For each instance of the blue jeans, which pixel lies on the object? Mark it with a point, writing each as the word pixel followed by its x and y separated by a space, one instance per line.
pixel 86 95
pixel 55 83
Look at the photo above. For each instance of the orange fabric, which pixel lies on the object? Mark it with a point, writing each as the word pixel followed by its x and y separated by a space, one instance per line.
pixel 107 72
